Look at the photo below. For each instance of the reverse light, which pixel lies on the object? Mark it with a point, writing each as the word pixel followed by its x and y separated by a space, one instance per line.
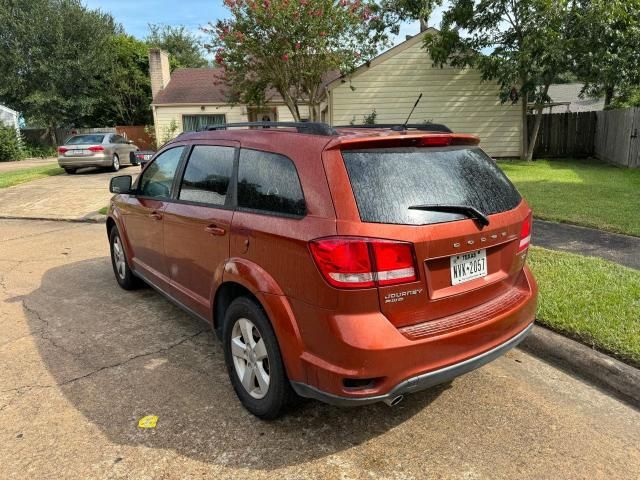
pixel 525 234
pixel 96 148
pixel 357 262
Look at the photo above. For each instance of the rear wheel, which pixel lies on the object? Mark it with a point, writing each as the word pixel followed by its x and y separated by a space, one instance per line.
pixel 115 163
pixel 70 171
pixel 125 277
pixel 253 360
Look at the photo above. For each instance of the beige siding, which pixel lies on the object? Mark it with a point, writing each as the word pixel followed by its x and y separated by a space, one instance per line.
pixel 163 115
pixel 457 98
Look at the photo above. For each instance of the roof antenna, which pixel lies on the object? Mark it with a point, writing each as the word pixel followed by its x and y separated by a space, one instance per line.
pixel 404 125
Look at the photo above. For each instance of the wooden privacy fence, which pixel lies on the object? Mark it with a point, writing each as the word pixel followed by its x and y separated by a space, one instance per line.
pixel 616 139
pixel 612 136
pixel 564 134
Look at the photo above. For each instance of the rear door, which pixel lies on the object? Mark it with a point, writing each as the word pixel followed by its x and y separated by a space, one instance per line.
pixel 406 194
pixel 197 224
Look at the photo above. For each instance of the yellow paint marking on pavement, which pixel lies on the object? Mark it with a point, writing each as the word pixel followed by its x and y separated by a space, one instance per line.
pixel 148 422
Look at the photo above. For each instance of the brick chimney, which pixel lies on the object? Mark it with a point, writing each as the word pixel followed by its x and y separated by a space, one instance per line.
pixel 158 70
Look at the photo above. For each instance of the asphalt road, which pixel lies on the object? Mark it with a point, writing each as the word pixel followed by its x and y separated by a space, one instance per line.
pixel 81 361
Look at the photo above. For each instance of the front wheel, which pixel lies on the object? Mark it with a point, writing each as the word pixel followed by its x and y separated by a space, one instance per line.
pixel 70 171
pixel 253 360
pixel 115 163
pixel 125 277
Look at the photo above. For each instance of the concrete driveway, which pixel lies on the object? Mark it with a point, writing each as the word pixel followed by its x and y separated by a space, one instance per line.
pixel 67 197
pixel 82 361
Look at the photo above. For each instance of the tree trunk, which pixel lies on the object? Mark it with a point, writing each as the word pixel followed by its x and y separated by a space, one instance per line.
pixel 423 24
pixel 52 135
pixel 524 146
pixel 536 125
pixel 608 95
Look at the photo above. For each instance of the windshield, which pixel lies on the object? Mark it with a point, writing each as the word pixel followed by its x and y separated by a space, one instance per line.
pixel 387 182
pixel 85 140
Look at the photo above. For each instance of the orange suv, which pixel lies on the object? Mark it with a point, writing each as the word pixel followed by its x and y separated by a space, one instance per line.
pixel 351 265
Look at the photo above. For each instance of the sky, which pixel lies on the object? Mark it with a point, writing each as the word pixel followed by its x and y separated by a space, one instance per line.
pixel 135 15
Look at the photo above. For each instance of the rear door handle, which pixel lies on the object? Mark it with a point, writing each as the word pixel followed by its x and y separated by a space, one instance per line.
pixel 156 215
pixel 215 230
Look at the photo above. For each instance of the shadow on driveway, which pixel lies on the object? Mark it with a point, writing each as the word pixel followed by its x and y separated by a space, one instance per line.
pixel 118 356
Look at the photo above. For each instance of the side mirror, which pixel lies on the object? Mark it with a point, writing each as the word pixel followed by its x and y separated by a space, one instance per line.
pixel 121 184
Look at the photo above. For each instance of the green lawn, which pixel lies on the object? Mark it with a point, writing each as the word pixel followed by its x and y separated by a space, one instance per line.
pixel 8 179
pixel 103 210
pixel 583 192
pixel 592 300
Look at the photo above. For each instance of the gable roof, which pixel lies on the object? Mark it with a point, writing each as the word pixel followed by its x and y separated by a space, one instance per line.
pixel 383 56
pixel 569 94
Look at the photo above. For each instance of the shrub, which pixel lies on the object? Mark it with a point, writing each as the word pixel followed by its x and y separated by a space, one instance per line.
pixel 10 145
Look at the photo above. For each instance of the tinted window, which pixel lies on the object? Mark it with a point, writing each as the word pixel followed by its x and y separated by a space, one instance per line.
pixel 157 178
pixel 269 182
pixel 85 140
pixel 118 139
pixel 206 178
pixel 387 182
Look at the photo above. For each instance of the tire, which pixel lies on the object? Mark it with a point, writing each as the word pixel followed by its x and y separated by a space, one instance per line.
pixel 70 171
pixel 124 276
pixel 115 163
pixel 242 316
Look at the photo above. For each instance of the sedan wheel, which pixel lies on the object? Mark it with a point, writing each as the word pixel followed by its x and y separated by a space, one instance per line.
pixel 115 163
pixel 250 358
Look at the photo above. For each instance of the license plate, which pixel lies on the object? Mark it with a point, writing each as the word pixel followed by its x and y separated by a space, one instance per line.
pixel 468 266
pixel 147 156
pixel 77 153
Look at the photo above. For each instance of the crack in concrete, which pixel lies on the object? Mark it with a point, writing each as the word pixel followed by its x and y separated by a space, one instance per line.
pixel 24 389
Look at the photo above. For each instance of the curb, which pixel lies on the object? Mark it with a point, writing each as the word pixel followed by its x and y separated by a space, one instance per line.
pixel 88 219
pixel 604 371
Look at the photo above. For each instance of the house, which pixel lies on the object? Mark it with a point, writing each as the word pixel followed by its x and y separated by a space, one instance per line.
pixel 194 97
pixel 565 97
pixel 9 117
pixel 388 84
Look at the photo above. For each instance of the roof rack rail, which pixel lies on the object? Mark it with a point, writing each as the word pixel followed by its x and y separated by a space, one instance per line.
pixel 425 127
pixel 311 128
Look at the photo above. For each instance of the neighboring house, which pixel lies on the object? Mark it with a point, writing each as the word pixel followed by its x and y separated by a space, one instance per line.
pixel 9 117
pixel 388 84
pixel 565 97
pixel 391 83
pixel 195 97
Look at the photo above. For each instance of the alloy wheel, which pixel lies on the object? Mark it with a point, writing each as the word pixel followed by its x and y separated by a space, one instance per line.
pixel 250 358
pixel 118 257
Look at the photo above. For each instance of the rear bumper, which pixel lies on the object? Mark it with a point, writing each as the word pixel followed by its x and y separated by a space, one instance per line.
pixel 360 358
pixel 80 162
pixel 419 382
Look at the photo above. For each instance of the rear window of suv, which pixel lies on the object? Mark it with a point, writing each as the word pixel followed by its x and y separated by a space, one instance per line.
pixel 386 182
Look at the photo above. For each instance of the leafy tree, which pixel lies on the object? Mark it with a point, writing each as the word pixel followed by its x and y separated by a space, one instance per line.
pixel 127 86
pixel 10 145
pixel 396 11
pixel 607 53
pixel 291 45
pixel 53 56
pixel 183 46
pixel 527 44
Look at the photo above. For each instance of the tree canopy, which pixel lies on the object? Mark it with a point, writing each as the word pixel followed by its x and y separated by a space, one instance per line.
pixel 291 45
pixel 185 50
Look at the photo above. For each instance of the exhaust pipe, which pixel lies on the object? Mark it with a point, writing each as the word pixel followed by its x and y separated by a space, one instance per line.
pixel 392 402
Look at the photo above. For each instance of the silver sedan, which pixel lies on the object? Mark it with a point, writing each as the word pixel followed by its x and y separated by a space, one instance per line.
pixel 97 150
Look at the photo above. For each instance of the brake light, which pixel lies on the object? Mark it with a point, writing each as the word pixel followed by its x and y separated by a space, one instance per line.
pixel 62 149
pixel 525 234
pixel 96 148
pixel 436 141
pixel 356 262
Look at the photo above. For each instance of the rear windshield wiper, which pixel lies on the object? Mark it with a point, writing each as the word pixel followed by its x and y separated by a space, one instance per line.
pixel 468 210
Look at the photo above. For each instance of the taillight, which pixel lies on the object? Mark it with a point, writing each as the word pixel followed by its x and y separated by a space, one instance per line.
pixel 96 148
pixel 62 150
pixel 356 262
pixel 525 234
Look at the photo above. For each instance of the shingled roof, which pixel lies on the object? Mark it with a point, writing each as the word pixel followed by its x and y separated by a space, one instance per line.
pixel 205 86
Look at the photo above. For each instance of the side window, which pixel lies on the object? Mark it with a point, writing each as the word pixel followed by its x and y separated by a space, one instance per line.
pixel 157 178
pixel 116 139
pixel 269 182
pixel 206 178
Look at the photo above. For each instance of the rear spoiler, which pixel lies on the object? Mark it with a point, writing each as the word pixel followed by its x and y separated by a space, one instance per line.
pixel 404 140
